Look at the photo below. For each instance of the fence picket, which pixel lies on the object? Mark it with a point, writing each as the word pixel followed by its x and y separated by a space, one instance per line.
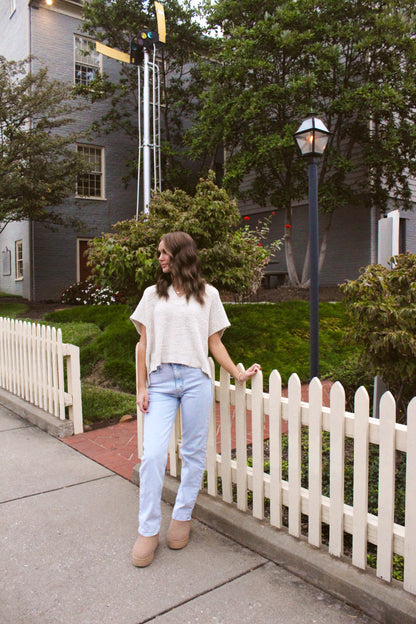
pixel 361 458
pixel 36 364
pixel 226 480
pixel 315 463
pixel 336 483
pixel 211 462
pixel 295 455
pixel 410 514
pixel 49 372
pixel 26 365
pixel 386 487
pixel 241 442
pixel 257 424
pixel 32 367
pixel 60 372
pixel 12 352
pixel 275 448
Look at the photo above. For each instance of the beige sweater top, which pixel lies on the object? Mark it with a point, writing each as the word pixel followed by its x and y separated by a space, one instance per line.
pixel 177 330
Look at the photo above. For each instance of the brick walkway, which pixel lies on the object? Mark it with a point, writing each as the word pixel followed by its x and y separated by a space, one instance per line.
pixel 115 446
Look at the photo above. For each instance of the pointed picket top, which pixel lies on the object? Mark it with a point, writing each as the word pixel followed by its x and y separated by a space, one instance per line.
pixel 361 395
pixel 257 383
pixel 387 405
pixel 294 385
pixel 315 390
pixel 275 377
pixel 337 392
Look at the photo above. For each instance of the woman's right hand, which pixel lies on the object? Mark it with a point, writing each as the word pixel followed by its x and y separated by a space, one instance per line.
pixel 143 400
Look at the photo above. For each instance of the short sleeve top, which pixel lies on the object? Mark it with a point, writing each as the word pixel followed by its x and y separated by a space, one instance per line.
pixel 177 330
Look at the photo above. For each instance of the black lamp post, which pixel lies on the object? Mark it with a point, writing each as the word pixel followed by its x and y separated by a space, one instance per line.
pixel 311 138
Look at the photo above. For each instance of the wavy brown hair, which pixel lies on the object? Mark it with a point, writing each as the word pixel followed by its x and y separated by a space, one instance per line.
pixel 185 267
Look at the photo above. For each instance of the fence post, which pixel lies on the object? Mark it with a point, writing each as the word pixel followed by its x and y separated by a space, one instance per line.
pixel 386 487
pixel 295 455
pixel 315 463
pixel 336 477
pixel 73 373
pixel 360 497
pixel 409 583
pixel 275 431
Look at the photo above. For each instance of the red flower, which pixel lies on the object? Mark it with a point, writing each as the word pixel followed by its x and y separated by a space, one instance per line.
pixel 288 225
pixel 246 218
pixel 273 213
pixel 260 245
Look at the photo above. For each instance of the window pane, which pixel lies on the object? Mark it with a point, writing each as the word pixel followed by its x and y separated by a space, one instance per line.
pixel 91 184
pixel 87 61
pixel 19 259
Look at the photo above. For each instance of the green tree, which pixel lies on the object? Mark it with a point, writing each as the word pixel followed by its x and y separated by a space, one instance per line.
pixel 115 22
pixel 38 163
pixel 381 305
pixel 232 257
pixel 350 62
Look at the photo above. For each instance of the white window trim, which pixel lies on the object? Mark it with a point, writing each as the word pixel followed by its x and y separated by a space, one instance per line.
pixel 102 196
pixel 99 67
pixel 12 8
pixel 18 261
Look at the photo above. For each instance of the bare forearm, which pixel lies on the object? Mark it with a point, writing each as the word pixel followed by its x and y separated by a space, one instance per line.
pixel 141 367
pixel 221 355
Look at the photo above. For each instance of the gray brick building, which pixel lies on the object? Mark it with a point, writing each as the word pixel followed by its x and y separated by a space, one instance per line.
pixel 39 263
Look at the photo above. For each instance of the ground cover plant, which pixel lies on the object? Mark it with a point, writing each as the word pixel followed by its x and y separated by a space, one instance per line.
pixel 276 335
pixel 11 310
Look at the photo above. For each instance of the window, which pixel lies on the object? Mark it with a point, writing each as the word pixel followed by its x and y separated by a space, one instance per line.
pixel 87 61
pixel 91 185
pixel 18 256
pixel 12 7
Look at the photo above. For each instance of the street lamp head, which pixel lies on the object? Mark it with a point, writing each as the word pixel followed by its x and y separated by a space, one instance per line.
pixel 312 136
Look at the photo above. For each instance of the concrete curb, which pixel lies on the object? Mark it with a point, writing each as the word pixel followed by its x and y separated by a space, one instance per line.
pixel 386 603
pixel 36 416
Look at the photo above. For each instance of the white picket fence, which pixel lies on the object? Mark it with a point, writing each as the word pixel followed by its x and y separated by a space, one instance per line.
pixel 38 367
pixel 273 409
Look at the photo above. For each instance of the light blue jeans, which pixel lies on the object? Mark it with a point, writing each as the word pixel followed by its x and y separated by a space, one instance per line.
pixel 172 385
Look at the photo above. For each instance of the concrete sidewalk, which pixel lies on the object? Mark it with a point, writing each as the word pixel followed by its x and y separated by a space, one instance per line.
pixel 67 528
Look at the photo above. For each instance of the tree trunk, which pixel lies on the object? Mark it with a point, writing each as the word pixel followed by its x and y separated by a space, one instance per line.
pixel 322 253
pixel 290 258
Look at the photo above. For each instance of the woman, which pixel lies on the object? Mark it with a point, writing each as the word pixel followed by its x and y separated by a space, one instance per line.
pixel 179 319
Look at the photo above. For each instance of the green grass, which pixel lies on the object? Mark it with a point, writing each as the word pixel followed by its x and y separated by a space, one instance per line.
pixel 11 310
pixel 101 404
pixel 275 335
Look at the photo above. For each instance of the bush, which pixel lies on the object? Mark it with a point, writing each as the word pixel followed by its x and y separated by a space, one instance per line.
pixel 353 373
pixel 232 257
pixel 381 305
pixel 87 293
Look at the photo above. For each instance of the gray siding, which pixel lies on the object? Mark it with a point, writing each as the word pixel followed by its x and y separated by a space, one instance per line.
pixel 50 256
pixel 8 283
pixel 14 40
pixel 55 252
pixel 348 243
